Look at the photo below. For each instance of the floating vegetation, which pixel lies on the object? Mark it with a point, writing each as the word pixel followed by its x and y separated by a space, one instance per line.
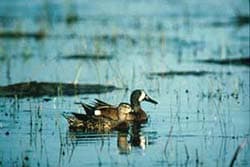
pixel 244 61
pixel 38 89
pixel 89 57
pixel 19 34
pixel 180 73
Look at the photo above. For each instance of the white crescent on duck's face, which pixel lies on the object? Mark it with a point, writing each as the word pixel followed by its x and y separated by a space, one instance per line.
pixel 142 96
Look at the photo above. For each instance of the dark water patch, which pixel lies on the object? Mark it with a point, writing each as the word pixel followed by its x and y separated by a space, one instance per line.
pixel 3 58
pixel 27 110
pixel 72 18
pixel 185 43
pixel 241 20
pixel 179 73
pixel 38 89
pixel 244 61
pixel 19 34
pixel 243 38
pixel 114 38
pixel 89 57
pixel 221 23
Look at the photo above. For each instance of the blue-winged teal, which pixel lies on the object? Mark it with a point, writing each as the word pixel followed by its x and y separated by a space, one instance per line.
pixel 105 117
pixel 103 109
pixel 100 123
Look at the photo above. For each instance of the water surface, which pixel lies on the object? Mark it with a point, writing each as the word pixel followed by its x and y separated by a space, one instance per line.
pixel 200 119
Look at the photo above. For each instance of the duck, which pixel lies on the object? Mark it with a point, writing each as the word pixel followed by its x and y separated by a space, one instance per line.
pixel 104 109
pixel 95 123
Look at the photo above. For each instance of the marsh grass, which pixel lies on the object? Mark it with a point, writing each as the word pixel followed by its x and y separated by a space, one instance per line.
pixel 167 142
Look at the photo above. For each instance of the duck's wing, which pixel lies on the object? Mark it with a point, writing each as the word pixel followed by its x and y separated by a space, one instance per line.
pixel 106 110
pixel 82 117
pixel 99 110
pixel 109 112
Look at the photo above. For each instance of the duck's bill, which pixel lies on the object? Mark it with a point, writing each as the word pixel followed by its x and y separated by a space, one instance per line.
pixel 149 99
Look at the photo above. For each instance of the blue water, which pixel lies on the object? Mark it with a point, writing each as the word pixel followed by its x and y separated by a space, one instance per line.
pixel 209 115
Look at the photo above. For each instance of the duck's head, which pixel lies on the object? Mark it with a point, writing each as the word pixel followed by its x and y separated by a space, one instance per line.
pixel 138 96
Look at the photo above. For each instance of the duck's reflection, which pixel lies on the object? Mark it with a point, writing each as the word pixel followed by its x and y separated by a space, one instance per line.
pixel 123 144
pixel 137 139
pixel 126 141
pixel 134 138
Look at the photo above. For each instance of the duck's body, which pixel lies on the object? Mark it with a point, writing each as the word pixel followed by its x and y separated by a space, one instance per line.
pixel 95 124
pixel 100 123
pixel 107 110
pixel 106 116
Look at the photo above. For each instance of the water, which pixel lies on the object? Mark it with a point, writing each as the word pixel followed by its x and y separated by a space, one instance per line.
pixel 209 114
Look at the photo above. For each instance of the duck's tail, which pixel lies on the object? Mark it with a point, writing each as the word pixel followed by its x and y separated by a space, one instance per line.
pixel 100 103
pixel 90 110
pixel 75 120
pixel 69 117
